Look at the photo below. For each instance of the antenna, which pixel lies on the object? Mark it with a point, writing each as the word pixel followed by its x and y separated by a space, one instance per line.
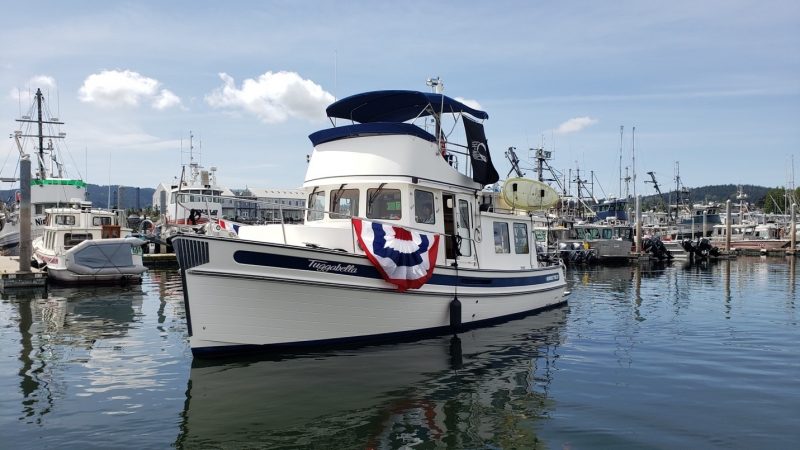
pixel 620 160
pixel 436 84
pixel 633 156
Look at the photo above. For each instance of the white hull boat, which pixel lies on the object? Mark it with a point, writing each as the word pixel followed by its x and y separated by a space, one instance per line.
pixel 395 243
pixel 82 245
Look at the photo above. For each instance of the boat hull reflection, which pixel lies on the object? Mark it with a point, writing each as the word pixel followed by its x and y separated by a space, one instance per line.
pixel 381 396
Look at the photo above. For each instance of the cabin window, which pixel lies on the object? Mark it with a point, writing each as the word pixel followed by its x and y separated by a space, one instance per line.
pixel 540 235
pixel 344 202
pixel 65 220
pixel 607 233
pixel 624 233
pixel 316 205
pixel 383 204
pixel 521 238
pixel 580 233
pixel 423 207
pixel 501 242
pixel 464 228
pixel 73 239
pixel 97 221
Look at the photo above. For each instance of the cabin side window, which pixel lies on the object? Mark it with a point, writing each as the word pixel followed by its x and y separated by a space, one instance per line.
pixel 73 239
pixel 423 207
pixel 65 220
pixel 607 233
pixel 96 221
pixel 501 242
pixel 384 204
pixel 521 238
pixel 344 202
pixel 316 205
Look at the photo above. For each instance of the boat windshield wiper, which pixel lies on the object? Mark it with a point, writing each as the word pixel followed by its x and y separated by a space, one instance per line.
pixel 373 196
pixel 337 195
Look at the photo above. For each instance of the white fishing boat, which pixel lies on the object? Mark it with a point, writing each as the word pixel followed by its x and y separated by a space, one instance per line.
pixel 49 185
pixel 395 242
pixel 193 199
pixel 82 244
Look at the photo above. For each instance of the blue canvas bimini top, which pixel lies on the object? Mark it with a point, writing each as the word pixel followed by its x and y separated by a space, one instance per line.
pixel 397 106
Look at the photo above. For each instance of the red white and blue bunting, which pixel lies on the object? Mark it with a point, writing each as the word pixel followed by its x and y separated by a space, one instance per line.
pixel 405 258
pixel 228 225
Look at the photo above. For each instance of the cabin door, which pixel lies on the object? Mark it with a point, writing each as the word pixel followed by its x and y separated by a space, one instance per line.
pixel 457 227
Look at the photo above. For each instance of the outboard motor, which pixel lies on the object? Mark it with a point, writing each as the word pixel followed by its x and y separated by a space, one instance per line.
pixel 703 248
pixel 688 245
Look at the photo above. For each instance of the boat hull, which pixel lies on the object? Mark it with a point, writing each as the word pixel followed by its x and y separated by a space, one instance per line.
pixel 240 295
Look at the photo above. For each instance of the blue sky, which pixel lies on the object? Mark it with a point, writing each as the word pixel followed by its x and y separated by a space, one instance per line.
pixel 713 85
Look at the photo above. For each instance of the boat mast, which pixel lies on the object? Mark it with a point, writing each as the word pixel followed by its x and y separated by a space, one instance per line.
pixel 620 160
pixel 40 135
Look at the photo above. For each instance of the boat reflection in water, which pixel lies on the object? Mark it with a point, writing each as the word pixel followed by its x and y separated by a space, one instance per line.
pixel 60 326
pixel 486 386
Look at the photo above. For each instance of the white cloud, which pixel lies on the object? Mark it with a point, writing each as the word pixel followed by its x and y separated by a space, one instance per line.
pixel 43 82
pixel 471 103
pixel 575 124
pixel 273 97
pixel 112 88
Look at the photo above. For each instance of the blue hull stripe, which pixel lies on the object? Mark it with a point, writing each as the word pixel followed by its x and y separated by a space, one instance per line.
pixel 369 271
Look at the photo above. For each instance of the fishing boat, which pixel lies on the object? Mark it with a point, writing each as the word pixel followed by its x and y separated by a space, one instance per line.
pixel 49 185
pixel 193 203
pixel 763 237
pixel 395 242
pixel 81 244
pixel 595 242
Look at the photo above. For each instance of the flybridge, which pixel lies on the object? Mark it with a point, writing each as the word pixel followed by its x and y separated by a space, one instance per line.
pixel 387 114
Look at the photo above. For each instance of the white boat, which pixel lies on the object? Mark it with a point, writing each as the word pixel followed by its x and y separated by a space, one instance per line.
pixel 49 186
pixel 193 199
pixel 86 245
pixel 762 237
pixel 370 187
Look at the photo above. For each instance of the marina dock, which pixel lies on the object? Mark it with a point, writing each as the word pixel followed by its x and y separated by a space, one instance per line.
pixel 12 278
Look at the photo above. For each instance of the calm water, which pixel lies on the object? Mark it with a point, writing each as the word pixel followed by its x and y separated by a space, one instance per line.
pixel 703 356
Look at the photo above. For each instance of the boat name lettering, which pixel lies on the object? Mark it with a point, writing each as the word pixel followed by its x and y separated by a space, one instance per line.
pixel 325 266
pixel 552 277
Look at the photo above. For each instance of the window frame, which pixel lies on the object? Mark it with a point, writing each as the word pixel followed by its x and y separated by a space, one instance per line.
pixel 524 234
pixel 504 246
pixel 419 202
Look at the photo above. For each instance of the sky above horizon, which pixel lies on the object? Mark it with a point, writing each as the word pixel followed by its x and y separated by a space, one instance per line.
pixel 712 85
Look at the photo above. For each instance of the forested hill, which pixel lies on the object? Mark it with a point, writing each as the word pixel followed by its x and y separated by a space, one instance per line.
pixel 717 193
pixel 99 196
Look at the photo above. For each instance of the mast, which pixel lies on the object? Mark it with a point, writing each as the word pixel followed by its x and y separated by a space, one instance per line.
pixel 620 161
pixel 40 136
